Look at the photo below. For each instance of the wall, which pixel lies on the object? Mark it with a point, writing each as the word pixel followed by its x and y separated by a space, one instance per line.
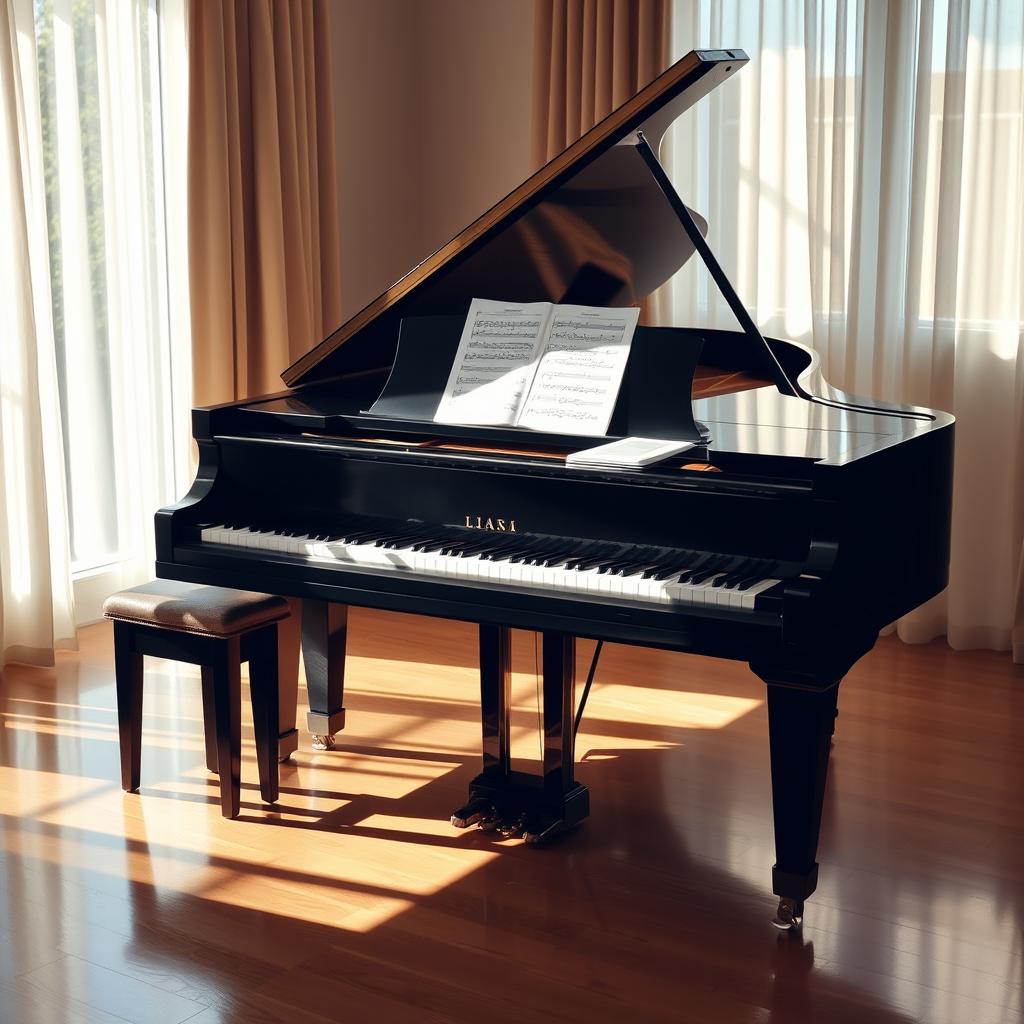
pixel 432 106
pixel 378 202
pixel 475 88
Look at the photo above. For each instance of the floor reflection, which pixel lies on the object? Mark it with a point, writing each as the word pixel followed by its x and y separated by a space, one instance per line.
pixel 353 897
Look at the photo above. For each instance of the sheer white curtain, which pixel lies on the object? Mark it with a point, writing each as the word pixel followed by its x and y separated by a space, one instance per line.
pixel 863 181
pixel 95 90
pixel 35 581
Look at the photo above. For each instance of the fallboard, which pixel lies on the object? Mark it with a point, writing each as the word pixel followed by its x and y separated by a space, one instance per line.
pixel 307 485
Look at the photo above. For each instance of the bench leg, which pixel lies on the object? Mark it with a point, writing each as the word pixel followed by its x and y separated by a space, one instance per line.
pixel 227 685
pixel 263 686
pixel 289 632
pixel 209 721
pixel 128 680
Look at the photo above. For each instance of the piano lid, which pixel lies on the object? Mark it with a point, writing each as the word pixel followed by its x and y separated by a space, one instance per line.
pixel 592 227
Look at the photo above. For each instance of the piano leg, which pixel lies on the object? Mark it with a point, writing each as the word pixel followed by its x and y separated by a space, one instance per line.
pixel 288 632
pixel 324 627
pixel 495 679
pixel 800 722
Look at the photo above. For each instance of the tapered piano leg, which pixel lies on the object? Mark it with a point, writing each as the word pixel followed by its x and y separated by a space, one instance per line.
pixel 558 659
pixel 288 635
pixel 800 722
pixel 495 677
pixel 324 627
pixel 495 689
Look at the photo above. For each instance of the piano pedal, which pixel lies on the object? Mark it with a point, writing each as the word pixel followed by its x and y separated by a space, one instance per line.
pixel 790 914
pixel 323 741
pixel 542 829
pixel 473 813
pixel 512 825
pixel 489 820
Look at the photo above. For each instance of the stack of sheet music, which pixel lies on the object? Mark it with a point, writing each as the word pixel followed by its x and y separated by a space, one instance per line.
pixel 626 453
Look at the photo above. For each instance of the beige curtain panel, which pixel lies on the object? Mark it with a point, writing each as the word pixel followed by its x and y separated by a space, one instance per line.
pixel 263 235
pixel 590 56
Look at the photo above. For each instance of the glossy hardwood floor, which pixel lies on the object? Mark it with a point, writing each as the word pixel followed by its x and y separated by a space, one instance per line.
pixel 354 900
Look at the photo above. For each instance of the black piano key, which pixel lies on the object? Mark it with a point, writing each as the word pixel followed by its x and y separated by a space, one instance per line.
pixel 596 558
pixel 702 576
pixel 685 563
pixel 430 543
pixel 552 550
pixel 581 552
pixel 467 550
pixel 498 550
pixel 555 561
pixel 464 546
pixel 531 549
pixel 404 539
pixel 748 581
pixel 632 561
pixel 643 568
pixel 358 536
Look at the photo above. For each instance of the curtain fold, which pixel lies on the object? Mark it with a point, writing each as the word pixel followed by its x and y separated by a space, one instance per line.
pixel 263 236
pixel 589 57
pixel 862 182
pixel 36 615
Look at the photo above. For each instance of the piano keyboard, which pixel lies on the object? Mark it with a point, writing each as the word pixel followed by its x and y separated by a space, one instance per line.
pixel 557 564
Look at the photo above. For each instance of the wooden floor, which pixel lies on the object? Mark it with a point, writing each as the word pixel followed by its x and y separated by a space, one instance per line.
pixel 355 900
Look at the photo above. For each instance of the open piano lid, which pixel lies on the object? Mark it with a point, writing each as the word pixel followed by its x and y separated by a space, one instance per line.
pixel 591 227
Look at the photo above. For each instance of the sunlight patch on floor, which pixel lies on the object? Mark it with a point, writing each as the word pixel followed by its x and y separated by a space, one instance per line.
pixel 619 702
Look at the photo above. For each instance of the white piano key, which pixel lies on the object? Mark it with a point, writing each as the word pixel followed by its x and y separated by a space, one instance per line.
pixel 750 594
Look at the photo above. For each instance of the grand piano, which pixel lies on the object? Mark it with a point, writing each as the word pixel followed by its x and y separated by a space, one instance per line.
pixel 803 521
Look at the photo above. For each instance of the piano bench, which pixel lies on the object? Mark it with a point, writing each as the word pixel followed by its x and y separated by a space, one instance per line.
pixel 216 629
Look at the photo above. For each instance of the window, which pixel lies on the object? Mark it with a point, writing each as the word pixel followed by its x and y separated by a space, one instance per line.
pixel 114 179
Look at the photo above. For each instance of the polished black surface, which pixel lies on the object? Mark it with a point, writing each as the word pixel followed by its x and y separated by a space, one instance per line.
pixel 846 497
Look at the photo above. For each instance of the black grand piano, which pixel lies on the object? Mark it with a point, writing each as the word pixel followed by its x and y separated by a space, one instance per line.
pixel 803 521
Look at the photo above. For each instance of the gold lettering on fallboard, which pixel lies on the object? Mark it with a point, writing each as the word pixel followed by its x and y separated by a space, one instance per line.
pixel 491 523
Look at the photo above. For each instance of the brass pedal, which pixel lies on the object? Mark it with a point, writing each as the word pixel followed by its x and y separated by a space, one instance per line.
pixel 489 820
pixel 473 813
pixel 513 825
pixel 542 829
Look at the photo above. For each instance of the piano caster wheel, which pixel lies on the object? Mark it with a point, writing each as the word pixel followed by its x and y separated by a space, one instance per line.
pixel 543 829
pixel 473 813
pixel 323 741
pixel 790 914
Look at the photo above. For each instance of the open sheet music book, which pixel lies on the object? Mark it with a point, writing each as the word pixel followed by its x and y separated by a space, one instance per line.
pixel 538 365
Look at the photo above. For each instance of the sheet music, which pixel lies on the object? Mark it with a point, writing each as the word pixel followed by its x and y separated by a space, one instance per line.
pixel 495 362
pixel 579 370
